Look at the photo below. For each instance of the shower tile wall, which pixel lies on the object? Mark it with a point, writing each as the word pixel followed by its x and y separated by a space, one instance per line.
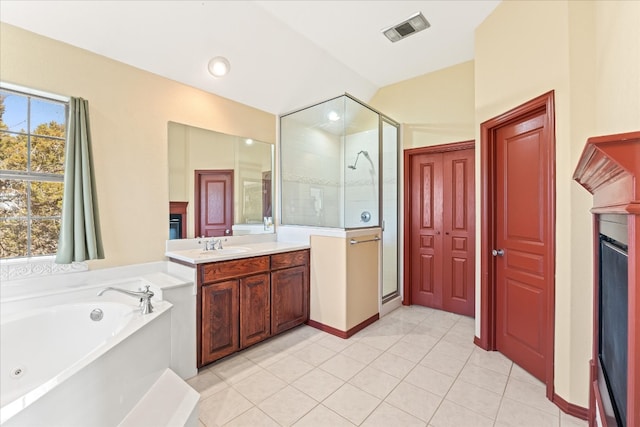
pixel 361 184
pixel 311 183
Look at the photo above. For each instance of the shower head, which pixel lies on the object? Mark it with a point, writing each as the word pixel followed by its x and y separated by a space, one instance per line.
pixel 366 154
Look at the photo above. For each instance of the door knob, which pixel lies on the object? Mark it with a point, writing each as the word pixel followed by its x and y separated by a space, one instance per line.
pixel 227 231
pixel 497 252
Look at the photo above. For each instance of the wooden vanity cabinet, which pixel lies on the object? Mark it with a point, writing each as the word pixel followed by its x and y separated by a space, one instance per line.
pixel 245 301
pixel 255 309
pixel 219 320
pixel 289 290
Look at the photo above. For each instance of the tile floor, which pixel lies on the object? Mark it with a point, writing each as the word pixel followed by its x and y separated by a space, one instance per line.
pixel 414 367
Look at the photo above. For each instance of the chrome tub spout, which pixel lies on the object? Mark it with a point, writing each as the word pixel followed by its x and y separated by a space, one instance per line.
pixel 144 295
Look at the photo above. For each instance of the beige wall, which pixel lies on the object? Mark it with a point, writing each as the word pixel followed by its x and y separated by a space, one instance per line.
pixel 436 108
pixel 588 53
pixel 130 109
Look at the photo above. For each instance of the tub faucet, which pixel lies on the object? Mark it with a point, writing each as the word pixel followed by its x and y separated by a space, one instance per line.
pixel 145 297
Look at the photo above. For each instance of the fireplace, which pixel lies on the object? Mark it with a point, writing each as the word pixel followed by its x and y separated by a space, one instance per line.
pixel 178 220
pixel 613 317
pixel 609 168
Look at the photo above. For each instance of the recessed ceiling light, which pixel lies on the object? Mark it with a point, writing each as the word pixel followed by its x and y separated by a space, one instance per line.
pixel 249 141
pixel 219 66
pixel 413 24
pixel 333 116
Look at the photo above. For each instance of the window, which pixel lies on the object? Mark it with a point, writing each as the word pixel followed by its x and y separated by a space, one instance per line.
pixel 32 139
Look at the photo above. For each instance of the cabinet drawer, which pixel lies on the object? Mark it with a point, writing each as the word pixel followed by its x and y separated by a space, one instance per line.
pixel 223 270
pixel 289 259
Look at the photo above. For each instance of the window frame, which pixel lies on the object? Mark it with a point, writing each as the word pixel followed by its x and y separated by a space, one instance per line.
pixel 29 176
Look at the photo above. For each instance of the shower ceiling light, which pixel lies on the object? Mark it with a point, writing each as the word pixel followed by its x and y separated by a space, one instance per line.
pixel 219 66
pixel 415 23
pixel 333 116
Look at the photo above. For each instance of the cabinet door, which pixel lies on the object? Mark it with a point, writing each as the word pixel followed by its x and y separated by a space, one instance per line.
pixel 219 320
pixel 255 309
pixel 289 298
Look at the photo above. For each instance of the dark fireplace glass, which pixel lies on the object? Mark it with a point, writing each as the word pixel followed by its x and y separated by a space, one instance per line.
pixel 613 325
pixel 175 226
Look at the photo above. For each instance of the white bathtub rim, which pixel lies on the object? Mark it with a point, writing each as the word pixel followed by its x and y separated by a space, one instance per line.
pixel 138 322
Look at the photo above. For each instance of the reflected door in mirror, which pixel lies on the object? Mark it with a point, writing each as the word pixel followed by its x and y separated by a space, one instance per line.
pixel 214 202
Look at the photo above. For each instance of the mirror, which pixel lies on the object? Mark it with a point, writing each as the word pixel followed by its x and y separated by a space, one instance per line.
pixel 232 176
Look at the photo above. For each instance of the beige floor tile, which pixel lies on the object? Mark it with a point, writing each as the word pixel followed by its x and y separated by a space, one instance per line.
pixel 334 343
pixel 254 417
pixel 451 415
pixel 409 350
pixel 414 400
pixel 287 406
pixel 393 365
pixel 382 341
pixel 315 354
pixel 442 363
pixel 318 384
pixel 426 328
pixel 386 415
pixel 222 407
pixel 477 399
pixel 352 403
pixel 567 420
pixel 430 380
pixel 515 414
pixel 375 382
pixel 259 386
pixel 530 394
pixel 289 369
pixel 322 416
pixel 491 360
pixel 484 378
pixel 453 350
pixel 520 374
pixel 342 366
pixel 264 354
pixel 234 368
pixel 207 383
pixel 362 352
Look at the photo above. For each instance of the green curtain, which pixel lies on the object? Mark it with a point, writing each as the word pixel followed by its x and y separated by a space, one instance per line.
pixel 80 238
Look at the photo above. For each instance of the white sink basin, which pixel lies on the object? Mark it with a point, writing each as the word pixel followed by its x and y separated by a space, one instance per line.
pixel 228 251
pixel 200 254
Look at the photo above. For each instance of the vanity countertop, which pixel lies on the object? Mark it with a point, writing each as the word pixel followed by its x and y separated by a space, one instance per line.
pixel 245 250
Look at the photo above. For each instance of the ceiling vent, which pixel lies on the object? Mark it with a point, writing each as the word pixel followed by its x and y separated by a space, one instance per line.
pixel 415 23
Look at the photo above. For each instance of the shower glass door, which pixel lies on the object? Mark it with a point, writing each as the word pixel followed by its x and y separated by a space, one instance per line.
pixel 389 184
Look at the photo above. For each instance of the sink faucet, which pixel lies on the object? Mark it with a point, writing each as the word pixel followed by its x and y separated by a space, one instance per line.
pixel 145 297
pixel 210 245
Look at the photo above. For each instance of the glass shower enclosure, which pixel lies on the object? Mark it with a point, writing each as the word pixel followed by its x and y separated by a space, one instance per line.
pixel 338 169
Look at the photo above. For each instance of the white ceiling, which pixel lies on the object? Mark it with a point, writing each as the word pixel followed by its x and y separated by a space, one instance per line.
pixel 284 54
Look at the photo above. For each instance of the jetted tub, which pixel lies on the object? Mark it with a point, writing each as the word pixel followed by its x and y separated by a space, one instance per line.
pixel 60 367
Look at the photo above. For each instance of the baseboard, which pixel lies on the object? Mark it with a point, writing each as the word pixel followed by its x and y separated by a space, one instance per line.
pixel 343 334
pixel 570 408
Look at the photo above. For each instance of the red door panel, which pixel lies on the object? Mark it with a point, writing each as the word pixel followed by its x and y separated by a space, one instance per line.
pixel 426 225
pixel 442 224
pixel 214 202
pixel 458 254
pixel 521 227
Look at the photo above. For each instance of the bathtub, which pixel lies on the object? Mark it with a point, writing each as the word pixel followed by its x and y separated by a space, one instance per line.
pixel 59 367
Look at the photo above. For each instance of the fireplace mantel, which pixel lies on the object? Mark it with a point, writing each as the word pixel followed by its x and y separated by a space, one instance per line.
pixel 609 168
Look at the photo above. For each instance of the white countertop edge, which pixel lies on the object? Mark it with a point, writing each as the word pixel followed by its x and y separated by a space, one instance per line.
pixel 255 249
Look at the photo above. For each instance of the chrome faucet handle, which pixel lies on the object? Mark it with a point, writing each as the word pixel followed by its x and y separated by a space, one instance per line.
pixel 145 301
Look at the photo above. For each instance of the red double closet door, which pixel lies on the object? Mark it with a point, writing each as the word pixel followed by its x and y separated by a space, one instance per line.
pixel 442 230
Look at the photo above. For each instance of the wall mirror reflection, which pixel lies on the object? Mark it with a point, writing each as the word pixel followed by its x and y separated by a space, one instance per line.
pixel 219 184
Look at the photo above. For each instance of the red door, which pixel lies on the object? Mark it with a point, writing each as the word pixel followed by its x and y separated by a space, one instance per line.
pixel 442 236
pixel 426 225
pixel 522 260
pixel 213 202
pixel 459 232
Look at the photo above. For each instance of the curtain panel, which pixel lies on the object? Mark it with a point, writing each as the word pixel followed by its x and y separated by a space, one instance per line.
pixel 80 237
